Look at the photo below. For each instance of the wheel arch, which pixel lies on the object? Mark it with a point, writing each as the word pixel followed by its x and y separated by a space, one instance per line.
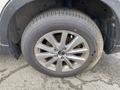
pixel 14 5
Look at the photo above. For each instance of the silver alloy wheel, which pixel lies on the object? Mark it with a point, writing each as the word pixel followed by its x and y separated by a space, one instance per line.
pixel 61 51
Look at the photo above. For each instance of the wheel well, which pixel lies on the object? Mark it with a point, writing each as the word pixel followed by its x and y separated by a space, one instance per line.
pixel 102 14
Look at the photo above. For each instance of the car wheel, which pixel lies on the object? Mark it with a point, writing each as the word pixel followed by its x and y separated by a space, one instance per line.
pixel 62 43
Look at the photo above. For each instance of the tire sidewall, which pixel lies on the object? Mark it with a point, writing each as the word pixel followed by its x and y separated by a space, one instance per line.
pixel 46 25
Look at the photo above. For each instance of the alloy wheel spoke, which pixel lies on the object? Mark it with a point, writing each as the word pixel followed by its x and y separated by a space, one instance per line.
pixel 75 58
pixel 46 48
pixel 74 43
pixel 75 51
pixel 44 55
pixel 69 63
pixel 63 40
pixel 51 39
pixel 51 61
pixel 59 66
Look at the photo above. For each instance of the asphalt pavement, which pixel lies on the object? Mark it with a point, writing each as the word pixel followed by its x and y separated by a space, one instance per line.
pixel 18 75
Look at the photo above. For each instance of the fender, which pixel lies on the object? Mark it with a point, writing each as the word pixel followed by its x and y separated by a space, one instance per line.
pixel 7 13
pixel 14 5
pixel 114 5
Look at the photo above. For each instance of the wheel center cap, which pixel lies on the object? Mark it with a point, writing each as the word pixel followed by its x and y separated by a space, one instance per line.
pixel 61 54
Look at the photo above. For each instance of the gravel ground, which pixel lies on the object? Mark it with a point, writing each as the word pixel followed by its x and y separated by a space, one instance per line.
pixel 18 75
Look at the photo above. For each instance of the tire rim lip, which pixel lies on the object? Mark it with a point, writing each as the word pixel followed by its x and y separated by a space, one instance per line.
pixel 60 52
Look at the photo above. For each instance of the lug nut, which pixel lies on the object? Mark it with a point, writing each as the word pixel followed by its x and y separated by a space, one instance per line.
pixel 55 49
pixel 64 48
pixel 62 57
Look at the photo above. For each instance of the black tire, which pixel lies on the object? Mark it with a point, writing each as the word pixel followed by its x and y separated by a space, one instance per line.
pixel 59 20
